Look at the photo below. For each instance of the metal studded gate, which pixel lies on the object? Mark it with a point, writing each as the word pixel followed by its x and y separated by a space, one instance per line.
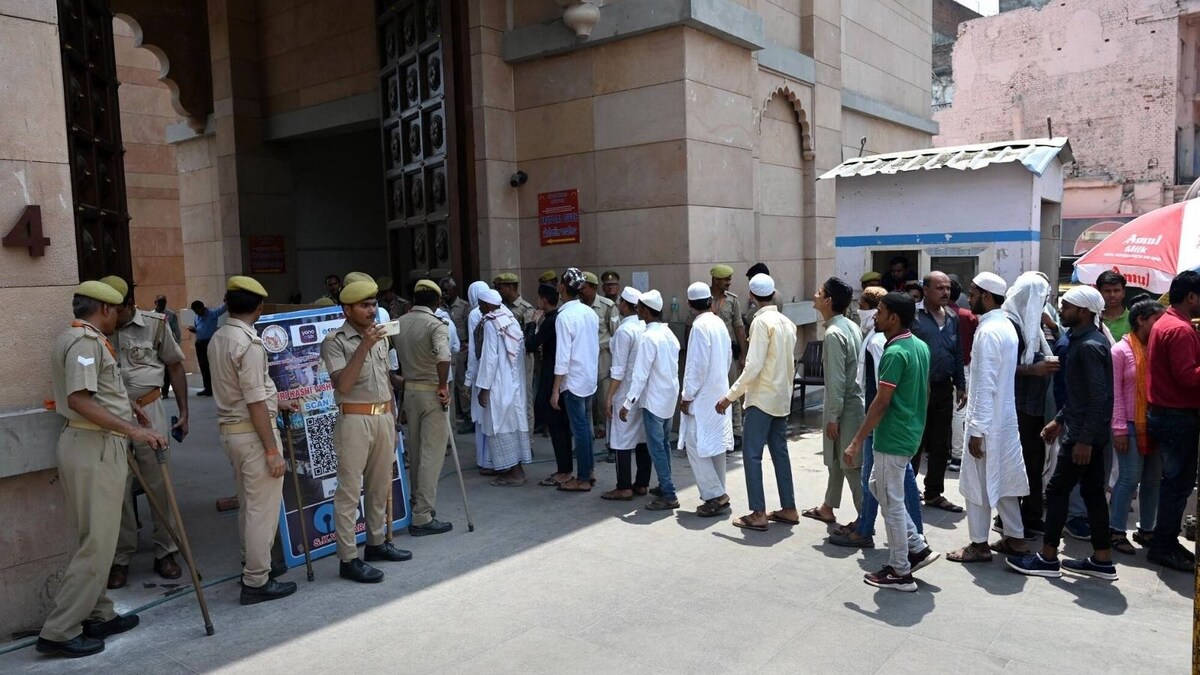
pixel 422 162
pixel 94 145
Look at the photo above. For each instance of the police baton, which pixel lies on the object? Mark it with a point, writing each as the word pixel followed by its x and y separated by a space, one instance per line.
pixel 179 536
pixel 291 451
pixel 458 468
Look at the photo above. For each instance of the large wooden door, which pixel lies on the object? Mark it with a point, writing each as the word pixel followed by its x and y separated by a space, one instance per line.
pixel 420 77
pixel 94 138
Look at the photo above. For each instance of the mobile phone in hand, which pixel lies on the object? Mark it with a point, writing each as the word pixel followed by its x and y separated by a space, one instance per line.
pixel 177 434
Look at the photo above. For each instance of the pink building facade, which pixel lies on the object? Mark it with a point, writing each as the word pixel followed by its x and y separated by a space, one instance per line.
pixel 1118 77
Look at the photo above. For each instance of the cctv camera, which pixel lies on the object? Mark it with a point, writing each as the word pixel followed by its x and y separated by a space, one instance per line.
pixel 518 179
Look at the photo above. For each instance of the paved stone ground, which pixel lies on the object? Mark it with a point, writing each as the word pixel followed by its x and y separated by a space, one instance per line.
pixel 554 582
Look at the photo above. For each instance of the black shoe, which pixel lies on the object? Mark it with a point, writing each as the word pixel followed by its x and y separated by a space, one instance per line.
pixel 662 504
pixel 737 443
pixel 272 590
pixel 278 569
pixel 656 491
pixel 386 551
pixel 98 630
pixel 81 645
pixel 612 457
pixel 204 392
pixel 357 570
pixel 1172 559
pixel 954 465
pixel 434 526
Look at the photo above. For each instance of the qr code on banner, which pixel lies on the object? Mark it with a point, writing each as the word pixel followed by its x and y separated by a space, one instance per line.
pixel 321 455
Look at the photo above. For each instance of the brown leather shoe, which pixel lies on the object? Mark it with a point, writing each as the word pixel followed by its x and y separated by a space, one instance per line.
pixel 167 568
pixel 118 576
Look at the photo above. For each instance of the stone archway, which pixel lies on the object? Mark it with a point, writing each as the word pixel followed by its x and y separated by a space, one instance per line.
pixel 806 143
pixel 177 33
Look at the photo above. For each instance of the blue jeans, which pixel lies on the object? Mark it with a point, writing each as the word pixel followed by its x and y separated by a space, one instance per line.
pixel 761 430
pixel 870 505
pixel 658 438
pixel 1176 434
pixel 1134 468
pixel 579 413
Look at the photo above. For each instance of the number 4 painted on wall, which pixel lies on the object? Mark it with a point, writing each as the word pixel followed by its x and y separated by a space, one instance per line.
pixel 27 232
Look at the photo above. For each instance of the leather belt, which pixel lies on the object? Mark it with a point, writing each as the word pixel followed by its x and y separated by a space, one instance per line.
pixel 88 426
pixel 150 398
pixel 419 386
pixel 366 408
pixel 237 428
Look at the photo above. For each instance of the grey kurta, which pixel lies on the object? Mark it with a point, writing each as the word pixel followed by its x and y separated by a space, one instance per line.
pixel 843 395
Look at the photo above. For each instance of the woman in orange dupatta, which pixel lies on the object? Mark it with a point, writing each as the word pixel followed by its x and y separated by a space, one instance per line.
pixel 1138 464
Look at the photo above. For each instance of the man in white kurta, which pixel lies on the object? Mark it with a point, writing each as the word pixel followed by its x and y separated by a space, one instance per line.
pixel 708 434
pixel 500 380
pixel 626 437
pixel 473 346
pixel 993 468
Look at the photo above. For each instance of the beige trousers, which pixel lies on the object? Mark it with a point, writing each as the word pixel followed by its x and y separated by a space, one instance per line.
pixel 428 434
pixel 260 496
pixel 127 542
pixel 366 448
pixel 604 367
pixel 92 469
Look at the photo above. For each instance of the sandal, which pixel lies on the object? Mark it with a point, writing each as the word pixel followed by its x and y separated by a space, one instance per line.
pixel 1143 537
pixel 815 514
pixel 944 504
pixel 575 485
pixel 1121 543
pixel 504 482
pixel 710 509
pixel 612 495
pixel 777 517
pixel 549 482
pixel 744 523
pixel 489 472
pixel 969 554
pixel 1003 547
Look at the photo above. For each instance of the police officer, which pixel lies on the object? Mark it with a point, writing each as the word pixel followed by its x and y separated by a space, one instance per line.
pixel 423 347
pixel 507 285
pixel 606 312
pixel 356 356
pixel 548 278
pixel 247 405
pixel 148 352
pixel 610 286
pixel 92 469
pixel 727 306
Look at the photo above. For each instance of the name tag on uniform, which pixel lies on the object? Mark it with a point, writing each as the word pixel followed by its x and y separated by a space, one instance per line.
pixel 86 360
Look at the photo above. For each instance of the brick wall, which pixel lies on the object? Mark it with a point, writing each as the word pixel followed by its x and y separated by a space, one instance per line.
pixel 1107 81
pixel 947 14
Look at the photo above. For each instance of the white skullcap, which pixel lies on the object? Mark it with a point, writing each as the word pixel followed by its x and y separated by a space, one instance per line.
pixel 631 295
pixel 699 291
pixel 491 296
pixel 652 299
pixel 762 285
pixel 1085 297
pixel 991 282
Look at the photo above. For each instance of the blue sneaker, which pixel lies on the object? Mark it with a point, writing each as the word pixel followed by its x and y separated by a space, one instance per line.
pixel 1092 568
pixel 1079 528
pixel 1034 565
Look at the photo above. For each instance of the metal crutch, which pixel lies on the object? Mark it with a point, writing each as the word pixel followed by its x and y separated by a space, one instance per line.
pixel 179 536
pixel 291 451
pixel 458 468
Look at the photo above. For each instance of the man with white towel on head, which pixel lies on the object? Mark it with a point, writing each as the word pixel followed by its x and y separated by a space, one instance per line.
pixel 707 434
pixel 993 468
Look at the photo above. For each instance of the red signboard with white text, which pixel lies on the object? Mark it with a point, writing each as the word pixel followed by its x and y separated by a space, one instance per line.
pixel 558 217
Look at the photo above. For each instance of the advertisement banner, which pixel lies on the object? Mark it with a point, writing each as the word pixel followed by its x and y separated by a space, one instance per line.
pixel 293 343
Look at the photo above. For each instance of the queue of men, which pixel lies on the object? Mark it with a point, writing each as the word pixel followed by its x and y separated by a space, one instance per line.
pixel 892 384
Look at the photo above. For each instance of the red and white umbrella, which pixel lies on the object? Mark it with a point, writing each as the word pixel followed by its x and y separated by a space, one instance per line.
pixel 1148 250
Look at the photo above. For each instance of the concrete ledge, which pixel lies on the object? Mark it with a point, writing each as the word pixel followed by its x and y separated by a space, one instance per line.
pixel 182 131
pixel 28 439
pixel 788 62
pixel 723 19
pixel 361 111
pixel 878 109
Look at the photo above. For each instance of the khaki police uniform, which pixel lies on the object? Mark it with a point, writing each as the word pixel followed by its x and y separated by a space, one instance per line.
pixel 728 307
pixel 422 343
pixel 606 312
pixel 364 437
pixel 459 310
pixel 92 469
pixel 239 372
pixel 145 347
pixel 524 311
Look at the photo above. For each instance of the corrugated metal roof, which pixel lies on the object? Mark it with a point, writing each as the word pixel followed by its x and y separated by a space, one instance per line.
pixel 1035 154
